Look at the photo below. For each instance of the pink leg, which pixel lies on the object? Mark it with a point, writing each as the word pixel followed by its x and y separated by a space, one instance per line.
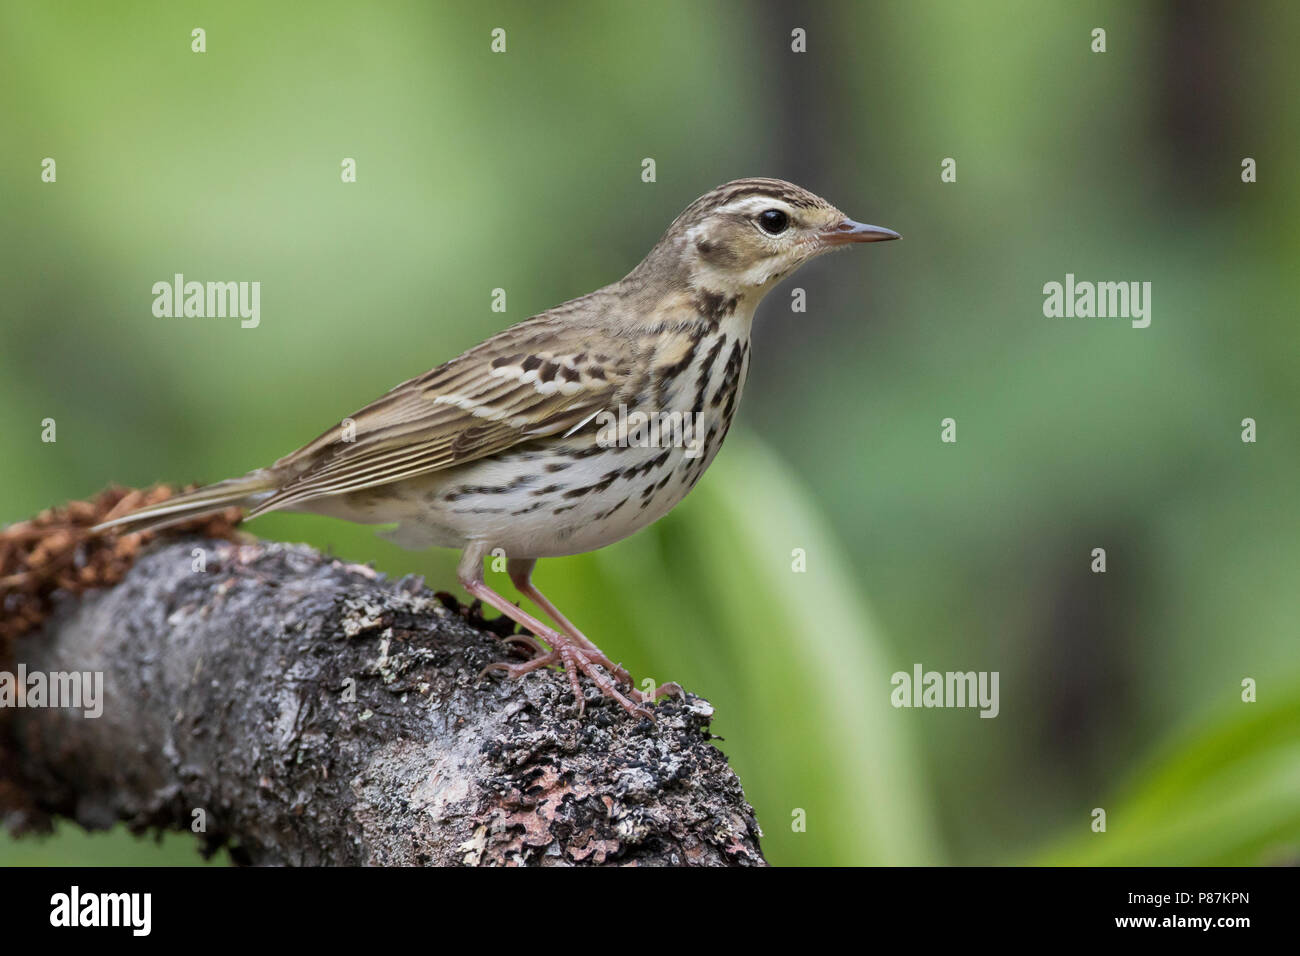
pixel 521 574
pixel 564 650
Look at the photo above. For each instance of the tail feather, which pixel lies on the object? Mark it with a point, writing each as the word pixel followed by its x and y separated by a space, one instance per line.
pixel 242 492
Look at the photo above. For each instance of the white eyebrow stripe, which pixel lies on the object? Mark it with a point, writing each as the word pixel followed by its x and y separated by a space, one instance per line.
pixel 753 205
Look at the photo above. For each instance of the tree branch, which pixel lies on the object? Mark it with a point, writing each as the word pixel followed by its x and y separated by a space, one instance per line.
pixel 316 713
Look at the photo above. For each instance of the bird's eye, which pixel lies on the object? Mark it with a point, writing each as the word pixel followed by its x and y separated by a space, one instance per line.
pixel 773 221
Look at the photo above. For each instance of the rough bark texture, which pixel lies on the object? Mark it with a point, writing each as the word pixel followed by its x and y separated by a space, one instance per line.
pixel 231 691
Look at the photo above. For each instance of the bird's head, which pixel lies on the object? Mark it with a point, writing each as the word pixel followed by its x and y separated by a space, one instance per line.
pixel 745 236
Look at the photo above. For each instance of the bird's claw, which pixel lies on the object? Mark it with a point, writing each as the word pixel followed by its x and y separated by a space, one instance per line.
pixel 527 641
pixel 576 660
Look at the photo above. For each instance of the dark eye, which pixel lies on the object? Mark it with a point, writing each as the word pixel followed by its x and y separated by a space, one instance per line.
pixel 773 221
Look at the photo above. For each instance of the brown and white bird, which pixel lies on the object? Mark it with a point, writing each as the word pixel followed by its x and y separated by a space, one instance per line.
pixel 529 442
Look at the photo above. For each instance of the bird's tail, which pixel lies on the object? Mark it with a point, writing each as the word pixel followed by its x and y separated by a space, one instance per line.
pixel 241 492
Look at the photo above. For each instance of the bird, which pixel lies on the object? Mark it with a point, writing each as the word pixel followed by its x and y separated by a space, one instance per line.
pixel 566 432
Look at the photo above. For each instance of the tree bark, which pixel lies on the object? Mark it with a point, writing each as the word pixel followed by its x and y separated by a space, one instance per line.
pixel 310 712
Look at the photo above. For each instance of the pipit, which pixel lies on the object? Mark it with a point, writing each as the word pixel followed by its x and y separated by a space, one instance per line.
pixel 535 441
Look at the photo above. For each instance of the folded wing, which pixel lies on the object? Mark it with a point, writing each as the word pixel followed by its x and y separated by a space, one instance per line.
pixel 495 396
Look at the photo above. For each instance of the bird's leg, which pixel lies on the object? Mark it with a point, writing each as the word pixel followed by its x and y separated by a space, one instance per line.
pixel 521 574
pixel 564 650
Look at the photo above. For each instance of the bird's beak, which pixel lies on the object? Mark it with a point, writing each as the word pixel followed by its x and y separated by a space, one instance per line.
pixel 846 231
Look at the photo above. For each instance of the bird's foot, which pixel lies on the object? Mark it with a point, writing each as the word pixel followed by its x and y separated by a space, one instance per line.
pixel 595 654
pixel 576 659
pixel 592 652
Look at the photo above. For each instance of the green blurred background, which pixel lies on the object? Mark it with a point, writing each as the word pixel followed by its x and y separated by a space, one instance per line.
pixel 522 170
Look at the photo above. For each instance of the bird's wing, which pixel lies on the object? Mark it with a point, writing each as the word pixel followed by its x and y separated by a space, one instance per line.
pixel 518 386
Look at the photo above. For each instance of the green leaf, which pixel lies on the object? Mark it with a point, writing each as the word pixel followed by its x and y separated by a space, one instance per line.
pixel 1226 794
